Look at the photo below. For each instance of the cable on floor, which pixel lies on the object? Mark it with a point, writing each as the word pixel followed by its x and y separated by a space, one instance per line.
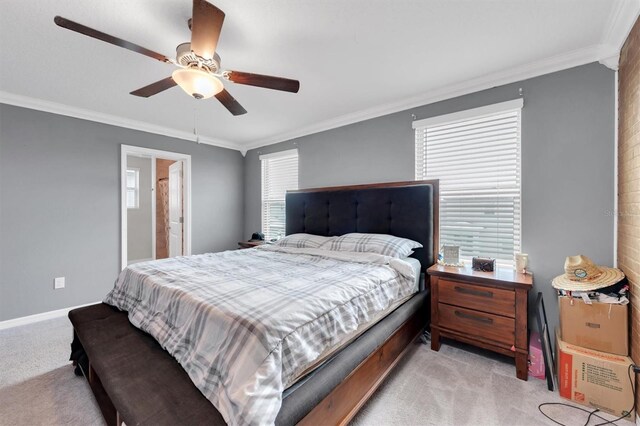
pixel 592 413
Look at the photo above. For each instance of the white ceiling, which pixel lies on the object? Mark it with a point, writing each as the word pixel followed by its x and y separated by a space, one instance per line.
pixel 355 59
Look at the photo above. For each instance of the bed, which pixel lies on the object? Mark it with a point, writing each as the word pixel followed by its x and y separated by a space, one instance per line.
pixel 137 382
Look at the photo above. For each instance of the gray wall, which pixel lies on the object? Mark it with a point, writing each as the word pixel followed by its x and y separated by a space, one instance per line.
pixel 60 206
pixel 567 164
pixel 139 236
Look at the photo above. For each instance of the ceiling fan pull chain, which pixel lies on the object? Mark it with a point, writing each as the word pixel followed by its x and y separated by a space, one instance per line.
pixel 195 125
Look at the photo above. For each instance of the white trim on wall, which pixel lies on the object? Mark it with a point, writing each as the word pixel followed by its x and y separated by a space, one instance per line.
pixel 126 150
pixel 153 208
pixel 131 262
pixel 30 319
pixel 99 117
pixel 280 154
pixel 619 24
pixel 614 211
pixel 549 65
pixel 468 113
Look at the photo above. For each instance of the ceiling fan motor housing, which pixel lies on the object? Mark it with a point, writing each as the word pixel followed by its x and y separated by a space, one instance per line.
pixel 186 57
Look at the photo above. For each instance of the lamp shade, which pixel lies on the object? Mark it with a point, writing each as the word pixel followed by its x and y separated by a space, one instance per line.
pixel 197 83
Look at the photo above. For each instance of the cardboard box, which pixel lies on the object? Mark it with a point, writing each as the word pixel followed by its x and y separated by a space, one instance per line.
pixel 600 326
pixel 595 379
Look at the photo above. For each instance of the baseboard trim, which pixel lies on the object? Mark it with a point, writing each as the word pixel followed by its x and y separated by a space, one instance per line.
pixel 131 262
pixel 30 319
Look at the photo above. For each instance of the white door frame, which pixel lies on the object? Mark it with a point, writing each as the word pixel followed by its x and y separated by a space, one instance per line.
pixel 153 154
pixel 175 166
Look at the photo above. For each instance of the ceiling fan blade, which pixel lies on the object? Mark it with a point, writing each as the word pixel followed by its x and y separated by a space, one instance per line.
pixel 230 103
pixel 266 81
pixel 206 25
pixel 79 28
pixel 155 88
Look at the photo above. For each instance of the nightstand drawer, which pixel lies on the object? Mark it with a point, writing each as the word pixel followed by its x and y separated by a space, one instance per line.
pixel 475 323
pixel 486 299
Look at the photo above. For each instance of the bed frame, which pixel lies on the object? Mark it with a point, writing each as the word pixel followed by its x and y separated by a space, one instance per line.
pixel 344 402
pixel 323 211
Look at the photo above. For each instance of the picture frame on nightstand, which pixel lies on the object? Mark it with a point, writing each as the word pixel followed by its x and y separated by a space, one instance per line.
pixel 450 254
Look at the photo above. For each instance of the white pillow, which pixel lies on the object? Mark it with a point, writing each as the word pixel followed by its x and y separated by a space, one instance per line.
pixel 303 241
pixel 384 244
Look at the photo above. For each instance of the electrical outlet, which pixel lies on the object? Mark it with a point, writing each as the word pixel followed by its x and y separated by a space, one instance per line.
pixel 58 283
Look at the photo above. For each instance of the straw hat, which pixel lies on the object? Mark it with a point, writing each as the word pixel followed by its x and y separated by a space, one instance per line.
pixel 581 274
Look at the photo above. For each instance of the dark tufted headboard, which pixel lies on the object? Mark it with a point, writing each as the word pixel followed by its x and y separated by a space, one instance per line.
pixel 404 209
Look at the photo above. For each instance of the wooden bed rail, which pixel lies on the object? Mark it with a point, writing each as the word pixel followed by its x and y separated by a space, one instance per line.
pixel 344 402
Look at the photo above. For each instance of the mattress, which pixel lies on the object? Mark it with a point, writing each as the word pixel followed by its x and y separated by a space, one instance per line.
pixel 245 324
pixel 350 337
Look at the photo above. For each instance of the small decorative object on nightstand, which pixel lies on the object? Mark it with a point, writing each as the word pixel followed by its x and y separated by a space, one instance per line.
pixel 249 244
pixel 450 254
pixel 485 309
pixel 522 261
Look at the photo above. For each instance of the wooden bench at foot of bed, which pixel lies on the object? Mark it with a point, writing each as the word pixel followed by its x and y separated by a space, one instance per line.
pixel 135 381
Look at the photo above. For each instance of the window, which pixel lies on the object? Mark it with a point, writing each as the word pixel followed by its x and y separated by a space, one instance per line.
pixel 133 188
pixel 279 174
pixel 476 156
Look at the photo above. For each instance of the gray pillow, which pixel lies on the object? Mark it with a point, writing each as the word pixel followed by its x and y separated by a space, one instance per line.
pixel 387 245
pixel 304 241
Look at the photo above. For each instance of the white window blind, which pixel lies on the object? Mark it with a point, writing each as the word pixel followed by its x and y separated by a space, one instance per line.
pixel 279 174
pixel 476 156
pixel 133 188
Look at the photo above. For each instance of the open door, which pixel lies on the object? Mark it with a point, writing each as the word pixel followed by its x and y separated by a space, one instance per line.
pixel 175 209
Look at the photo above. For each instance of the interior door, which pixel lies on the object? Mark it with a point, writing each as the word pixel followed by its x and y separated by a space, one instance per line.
pixel 175 209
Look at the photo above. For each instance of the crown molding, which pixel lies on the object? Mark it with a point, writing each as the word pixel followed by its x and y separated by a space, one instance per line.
pixel 611 61
pixel 620 22
pixel 85 114
pixel 552 64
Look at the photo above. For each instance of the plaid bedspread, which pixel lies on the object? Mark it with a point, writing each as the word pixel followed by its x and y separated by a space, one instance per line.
pixel 244 323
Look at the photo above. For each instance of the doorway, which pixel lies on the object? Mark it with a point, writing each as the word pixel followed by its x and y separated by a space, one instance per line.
pixel 156 204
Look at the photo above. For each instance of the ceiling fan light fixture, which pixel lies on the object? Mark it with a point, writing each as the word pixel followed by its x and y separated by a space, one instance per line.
pixel 197 83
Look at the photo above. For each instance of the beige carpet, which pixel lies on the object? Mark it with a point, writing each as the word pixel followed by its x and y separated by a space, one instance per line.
pixel 457 386
pixel 37 384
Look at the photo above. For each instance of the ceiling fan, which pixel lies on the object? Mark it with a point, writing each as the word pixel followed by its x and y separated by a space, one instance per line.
pixel 199 71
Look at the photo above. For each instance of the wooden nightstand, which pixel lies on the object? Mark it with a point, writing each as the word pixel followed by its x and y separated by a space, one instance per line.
pixel 249 244
pixel 485 309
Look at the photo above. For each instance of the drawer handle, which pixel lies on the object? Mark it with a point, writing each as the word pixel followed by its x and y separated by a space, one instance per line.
pixel 474 318
pixel 481 293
